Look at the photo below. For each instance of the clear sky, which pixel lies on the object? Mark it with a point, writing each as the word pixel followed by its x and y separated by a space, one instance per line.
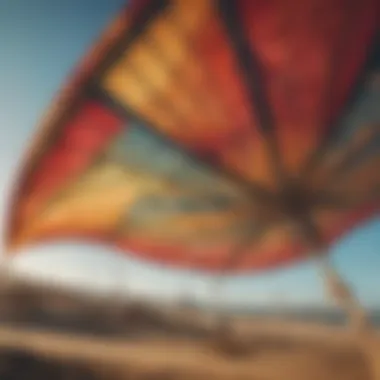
pixel 40 42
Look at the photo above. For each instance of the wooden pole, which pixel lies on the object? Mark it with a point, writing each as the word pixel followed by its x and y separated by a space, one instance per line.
pixel 337 288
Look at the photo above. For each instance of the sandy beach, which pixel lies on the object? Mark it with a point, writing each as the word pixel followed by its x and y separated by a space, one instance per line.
pixel 285 352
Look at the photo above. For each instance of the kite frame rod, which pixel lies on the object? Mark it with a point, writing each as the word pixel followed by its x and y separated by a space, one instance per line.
pixel 337 125
pixel 251 75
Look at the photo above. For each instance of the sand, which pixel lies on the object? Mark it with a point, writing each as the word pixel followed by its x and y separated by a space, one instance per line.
pixel 271 351
pixel 162 343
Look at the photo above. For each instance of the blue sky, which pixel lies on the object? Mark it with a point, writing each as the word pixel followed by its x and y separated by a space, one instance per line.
pixel 40 42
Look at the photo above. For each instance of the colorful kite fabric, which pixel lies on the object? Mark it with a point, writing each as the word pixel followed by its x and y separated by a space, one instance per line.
pixel 196 125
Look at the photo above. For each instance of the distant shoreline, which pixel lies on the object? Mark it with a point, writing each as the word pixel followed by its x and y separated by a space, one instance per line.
pixel 333 317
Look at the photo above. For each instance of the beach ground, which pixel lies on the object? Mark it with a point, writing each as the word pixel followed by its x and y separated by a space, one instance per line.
pixel 287 351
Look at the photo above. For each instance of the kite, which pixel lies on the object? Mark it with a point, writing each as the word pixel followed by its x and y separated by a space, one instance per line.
pixel 224 136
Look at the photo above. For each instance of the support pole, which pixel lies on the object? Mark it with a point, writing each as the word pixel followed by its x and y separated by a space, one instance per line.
pixel 337 289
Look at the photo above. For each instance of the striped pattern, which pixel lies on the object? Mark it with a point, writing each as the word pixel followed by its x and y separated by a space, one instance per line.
pixel 180 132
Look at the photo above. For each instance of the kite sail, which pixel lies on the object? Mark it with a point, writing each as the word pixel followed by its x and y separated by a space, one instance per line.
pixel 218 135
